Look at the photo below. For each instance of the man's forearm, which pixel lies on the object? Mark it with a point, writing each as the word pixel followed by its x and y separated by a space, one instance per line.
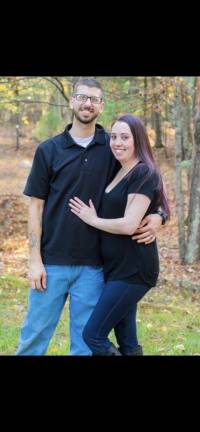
pixel 35 230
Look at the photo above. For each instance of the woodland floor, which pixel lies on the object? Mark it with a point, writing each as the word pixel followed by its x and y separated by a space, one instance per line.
pixel 178 286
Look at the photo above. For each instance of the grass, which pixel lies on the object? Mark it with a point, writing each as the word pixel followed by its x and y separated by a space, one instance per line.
pixel 168 321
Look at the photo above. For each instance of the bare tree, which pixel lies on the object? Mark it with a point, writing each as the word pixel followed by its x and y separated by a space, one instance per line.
pixel 56 82
pixel 178 173
pixel 145 100
pixel 193 243
pixel 157 116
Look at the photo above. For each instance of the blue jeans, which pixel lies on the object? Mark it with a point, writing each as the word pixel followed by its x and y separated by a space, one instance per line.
pixel 116 309
pixel 84 286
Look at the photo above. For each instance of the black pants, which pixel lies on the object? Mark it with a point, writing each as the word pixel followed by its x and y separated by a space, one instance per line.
pixel 116 309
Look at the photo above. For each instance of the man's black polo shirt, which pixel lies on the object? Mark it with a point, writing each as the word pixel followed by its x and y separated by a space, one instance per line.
pixel 61 170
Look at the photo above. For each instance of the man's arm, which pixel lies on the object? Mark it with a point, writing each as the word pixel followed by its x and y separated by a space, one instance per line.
pixel 37 274
pixel 148 229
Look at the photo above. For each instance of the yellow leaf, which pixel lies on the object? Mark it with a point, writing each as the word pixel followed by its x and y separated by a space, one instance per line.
pixel 2 87
pixel 149 325
pixel 25 120
pixel 163 328
pixel 66 88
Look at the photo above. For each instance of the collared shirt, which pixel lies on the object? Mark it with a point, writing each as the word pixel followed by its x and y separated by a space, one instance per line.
pixel 61 170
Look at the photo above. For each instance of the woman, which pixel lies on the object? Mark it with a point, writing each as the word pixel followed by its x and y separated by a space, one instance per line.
pixel 130 268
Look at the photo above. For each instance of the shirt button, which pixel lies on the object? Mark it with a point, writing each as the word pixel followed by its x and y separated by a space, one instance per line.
pixel 85 160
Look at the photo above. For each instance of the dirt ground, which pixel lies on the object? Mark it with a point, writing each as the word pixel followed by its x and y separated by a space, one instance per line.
pixel 14 169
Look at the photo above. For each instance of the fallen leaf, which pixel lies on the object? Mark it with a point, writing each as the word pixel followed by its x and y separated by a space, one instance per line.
pixel 163 328
pixel 190 270
pixel 180 347
pixel 149 325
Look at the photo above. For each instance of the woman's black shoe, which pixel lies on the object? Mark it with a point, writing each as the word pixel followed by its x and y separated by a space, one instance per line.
pixel 112 351
pixel 137 351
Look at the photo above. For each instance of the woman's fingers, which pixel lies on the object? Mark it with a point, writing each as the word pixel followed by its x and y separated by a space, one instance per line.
pixel 91 204
pixel 74 206
pixel 76 212
pixel 79 201
pixel 75 203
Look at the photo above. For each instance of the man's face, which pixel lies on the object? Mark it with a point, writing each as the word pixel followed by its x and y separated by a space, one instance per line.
pixel 86 111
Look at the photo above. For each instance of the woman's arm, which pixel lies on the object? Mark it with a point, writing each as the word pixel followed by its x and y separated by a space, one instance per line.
pixel 136 208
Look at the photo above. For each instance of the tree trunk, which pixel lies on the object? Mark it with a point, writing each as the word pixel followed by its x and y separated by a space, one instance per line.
pixel 157 118
pixel 145 101
pixel 195 95
pixel 17 126
pixel 187 139
pixel 165 124
pixel 193 246
pixel 187 133
pixel 178 174
pixel 158 143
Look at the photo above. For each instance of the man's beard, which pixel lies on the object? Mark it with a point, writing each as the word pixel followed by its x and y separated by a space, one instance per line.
pixel 85 121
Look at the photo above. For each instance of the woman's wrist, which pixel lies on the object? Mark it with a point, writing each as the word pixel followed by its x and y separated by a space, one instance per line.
pixel 95 221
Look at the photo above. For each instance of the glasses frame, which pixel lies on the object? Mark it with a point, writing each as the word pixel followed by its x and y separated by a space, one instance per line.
pixel 88 97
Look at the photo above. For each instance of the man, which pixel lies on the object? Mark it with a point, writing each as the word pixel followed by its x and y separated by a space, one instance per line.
pixel 65 254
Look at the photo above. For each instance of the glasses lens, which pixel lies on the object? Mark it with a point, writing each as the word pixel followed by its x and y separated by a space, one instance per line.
pixel 81 97
pixel 84 98
pixel 95 99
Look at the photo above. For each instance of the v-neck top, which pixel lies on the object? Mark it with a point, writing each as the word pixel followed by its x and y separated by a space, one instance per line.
pixel 124 258
pixel 125 176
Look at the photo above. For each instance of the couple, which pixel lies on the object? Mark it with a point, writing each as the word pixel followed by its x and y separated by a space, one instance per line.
pixel 93 259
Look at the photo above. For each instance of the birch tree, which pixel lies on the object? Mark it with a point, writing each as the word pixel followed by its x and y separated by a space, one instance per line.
pixel 193 240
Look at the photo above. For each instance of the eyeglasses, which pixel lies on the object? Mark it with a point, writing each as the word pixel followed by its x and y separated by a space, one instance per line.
pixel 84 98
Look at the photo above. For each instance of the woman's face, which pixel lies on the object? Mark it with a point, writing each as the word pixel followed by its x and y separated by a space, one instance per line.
pixel 122 142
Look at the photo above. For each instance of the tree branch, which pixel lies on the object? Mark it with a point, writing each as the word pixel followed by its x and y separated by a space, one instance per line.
pixel 29 102
pixel 59 86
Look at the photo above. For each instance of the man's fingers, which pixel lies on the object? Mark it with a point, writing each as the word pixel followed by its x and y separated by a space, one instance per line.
pixel 150 241
pixel 143 222
pixel 44 280
pixel 37 284
pixel 141 236
pixel 147 240
pixel 141 230
pixel 32 283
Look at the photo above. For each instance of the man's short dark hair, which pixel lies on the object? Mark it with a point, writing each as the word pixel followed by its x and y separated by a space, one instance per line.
pixel 87 81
